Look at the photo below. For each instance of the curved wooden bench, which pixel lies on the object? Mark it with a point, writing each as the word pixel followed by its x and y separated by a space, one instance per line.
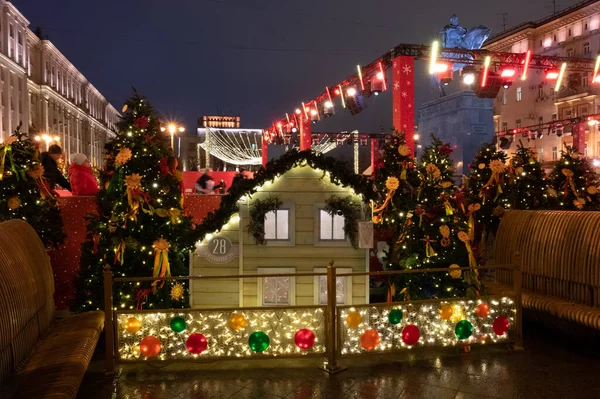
pixel 40 357
pixel 559 254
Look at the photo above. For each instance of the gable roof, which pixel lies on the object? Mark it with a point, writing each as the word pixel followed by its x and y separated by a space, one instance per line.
pixel 339 173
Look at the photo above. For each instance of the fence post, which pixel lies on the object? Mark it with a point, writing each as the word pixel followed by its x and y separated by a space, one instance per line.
pixel 518 288
pixel 331 366
pixel 109 328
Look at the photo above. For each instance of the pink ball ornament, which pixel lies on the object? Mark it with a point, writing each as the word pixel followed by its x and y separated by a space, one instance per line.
pixel 196 344
pixel 304 339
pixel 411 334
pixel 501 325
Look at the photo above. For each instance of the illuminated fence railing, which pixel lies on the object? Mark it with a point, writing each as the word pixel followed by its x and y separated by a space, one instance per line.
pixel 402 326
pixel 329 330
pixel 217 334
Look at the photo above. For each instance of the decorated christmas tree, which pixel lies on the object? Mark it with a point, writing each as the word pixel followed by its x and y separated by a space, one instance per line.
pixel 396 181
pixel 527 182
pixel 574 184
pixel 140 230
pixel 25 193
pixel 436 235
pixel 486 192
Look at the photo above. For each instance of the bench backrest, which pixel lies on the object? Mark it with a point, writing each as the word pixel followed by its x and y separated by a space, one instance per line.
pixel 26 294
pixel 560 252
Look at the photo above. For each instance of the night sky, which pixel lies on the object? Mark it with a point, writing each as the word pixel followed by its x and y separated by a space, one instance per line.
pixel 256 58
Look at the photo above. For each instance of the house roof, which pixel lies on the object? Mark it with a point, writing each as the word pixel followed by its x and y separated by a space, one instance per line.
pixel 339 173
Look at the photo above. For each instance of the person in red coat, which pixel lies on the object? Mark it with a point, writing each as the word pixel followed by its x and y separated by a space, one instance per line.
pixel 82 179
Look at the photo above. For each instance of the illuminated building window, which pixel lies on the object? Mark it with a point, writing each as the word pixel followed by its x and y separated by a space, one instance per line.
pixel 554 153
pixel 331 227
pixel 343 287
pixel 519 94
pixel 504 125
pixel 277 225
pixel 276 291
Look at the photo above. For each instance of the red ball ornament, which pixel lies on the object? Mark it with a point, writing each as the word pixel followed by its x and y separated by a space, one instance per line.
pixel 369 339
pixel 196 343
pixel 500 325
pixel 482 310
pixel 304 339
pixel 411 334
pixel 150 346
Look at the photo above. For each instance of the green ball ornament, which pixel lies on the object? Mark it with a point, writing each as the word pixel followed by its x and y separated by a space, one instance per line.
pixel 463 329
pixel 178 324
pixel 258 341
pixel 395 316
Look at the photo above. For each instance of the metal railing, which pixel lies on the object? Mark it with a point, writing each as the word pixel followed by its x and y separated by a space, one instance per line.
pixel 333 338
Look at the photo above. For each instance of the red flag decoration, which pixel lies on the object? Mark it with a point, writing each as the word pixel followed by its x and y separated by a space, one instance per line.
pixel 403 97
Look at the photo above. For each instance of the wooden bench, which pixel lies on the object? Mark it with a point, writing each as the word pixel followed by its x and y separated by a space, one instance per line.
pixel 40 357
pixel 559 254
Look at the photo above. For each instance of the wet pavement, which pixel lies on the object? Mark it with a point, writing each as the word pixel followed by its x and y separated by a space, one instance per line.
pixel 550 367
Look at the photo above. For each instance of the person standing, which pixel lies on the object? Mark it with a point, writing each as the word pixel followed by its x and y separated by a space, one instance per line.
pixel 205 183
pixel 82 178
pixel 51 171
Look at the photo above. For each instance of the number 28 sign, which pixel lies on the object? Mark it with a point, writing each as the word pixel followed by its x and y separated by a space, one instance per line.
pixel 219 249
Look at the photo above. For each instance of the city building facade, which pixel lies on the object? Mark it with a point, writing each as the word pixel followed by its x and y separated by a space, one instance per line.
pixel 573 32
pixel 42 90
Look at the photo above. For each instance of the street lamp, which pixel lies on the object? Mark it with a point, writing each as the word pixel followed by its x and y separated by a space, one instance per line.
pixel 48 139
pixel 173 129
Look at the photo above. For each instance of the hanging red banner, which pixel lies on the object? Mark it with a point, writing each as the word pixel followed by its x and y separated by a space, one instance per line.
pixel 403 97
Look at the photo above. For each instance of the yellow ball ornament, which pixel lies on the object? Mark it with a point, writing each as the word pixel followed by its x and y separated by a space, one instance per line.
pixel 446 312
pixel 454 271
pixel 354 319
pixel 132 325
pixel 457 314
pixel 237 322
pixel 135 351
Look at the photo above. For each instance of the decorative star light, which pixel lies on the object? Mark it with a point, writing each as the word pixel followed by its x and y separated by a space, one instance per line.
pixel 404 94
pixel 406 69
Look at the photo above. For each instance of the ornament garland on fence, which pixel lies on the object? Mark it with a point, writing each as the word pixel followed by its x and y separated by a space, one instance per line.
pixel 339 173
pixel 258 211
pixel 350 210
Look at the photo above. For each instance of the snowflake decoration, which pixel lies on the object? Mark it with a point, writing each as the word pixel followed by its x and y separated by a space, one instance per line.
pixel 404 94
pixel 406 69
pixel 409 105
pixel 396 85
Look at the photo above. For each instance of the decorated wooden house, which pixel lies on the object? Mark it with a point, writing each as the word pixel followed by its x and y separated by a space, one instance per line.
pixel 296 216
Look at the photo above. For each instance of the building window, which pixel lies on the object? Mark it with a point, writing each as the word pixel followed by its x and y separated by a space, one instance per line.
pixel 585 80
pixel 570 33
pixel 277 225
pixel 554 38
pixel 583 111
pixel 276 291
pixel 554 117
pixel 518 123
pixel 585 150
pixel 541 119
pixel 331 227
pixel 519 94
pixel 11 30
pixel 541 43
pixel 541 159
pixel 540 92
pixel 505 97
pixel 570 52
pixel 554 153
pixel 19 38
pixel 568 113
pixel 586 48
pixel 343 287
pixel 504 126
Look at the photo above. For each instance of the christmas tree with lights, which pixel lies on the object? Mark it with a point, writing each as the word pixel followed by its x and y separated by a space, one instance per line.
pixel 486 192
pixel 527 182
pixel 396 181
pixel 25 193
pixel 140 230
pixel 436 235
pixel 573 183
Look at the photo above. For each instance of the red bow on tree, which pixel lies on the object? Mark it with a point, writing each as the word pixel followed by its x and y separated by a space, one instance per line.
pixel 141 122
pixel 163 165
pixel 446 150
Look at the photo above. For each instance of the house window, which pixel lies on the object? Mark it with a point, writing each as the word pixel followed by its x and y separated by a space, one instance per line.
pixel 570 33
pixel 277 225
pixel 540 92
pixel 541 159
pixel 519 94
pixel 504 125
pixel 555 38
pixel 505 97
pixel 568 113
pixel 19 38
pixel 541 119
pixel 518 123
pixel 554 153
pixel 570 52
pixel 586 48
pixel 276 291
pixel 331 227
pixel 11 30
pixel 343 287
pixel 585 80
pixel 583 111
pixel 554 117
